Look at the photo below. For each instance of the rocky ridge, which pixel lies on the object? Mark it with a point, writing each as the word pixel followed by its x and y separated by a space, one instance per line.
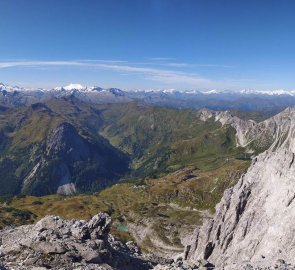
pixel 254 222
pixel 68 244
pixel 58 244
pixel 268 133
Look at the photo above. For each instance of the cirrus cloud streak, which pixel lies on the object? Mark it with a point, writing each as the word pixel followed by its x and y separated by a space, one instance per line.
pixel 167 76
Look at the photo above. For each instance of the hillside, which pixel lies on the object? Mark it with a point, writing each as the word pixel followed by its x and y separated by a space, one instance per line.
pixel 162 140
pixel 44 152
pixel 174 166
pixel 68 146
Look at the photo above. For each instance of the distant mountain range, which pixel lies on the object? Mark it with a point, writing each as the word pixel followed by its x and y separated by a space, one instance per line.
pixel 270 102
pixel 78 87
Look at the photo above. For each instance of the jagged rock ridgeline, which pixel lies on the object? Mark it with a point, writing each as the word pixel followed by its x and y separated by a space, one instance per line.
pixel 254 222
pixel 68 244
pixel 268 133
pixel 58 244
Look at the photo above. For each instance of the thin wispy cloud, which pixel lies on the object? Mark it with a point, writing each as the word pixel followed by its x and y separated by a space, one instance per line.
pixel 101 61
pixel 160 58
pixel 166 76
pixel 172 62
pixel 192 65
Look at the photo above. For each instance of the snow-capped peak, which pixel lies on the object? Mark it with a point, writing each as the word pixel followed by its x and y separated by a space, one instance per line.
pixel 94 88
pixel 192 92
pixel 169 91
pixel 78 87
pixel 70 87
pixel 9 88
pixel 74 86
pixel 210 92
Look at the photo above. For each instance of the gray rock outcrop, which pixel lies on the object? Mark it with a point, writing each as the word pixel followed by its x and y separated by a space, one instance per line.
pixel 254 224
pixel 67 244
pixel 264 134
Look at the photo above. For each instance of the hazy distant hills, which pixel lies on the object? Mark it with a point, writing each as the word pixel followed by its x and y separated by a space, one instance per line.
pixel 270 102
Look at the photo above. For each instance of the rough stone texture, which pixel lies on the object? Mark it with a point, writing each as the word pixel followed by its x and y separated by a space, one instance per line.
pixel 247 131
pixel 254 224
pixel 180 264
pixel 68 244
pixel 64 141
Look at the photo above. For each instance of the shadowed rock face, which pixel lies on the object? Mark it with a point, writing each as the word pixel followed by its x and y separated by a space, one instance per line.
pixel 254 222
pixel 71 163
pixel 68 244
pixel 65 142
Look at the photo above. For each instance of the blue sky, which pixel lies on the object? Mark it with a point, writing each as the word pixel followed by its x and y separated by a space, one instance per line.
pixel 182 44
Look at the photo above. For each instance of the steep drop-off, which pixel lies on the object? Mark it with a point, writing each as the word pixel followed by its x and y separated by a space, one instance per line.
pixel 254 222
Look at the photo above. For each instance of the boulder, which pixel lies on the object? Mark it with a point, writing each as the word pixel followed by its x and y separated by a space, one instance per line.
pixel 67 244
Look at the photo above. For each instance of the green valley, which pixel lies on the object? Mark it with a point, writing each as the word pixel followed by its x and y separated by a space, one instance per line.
pixel 166 168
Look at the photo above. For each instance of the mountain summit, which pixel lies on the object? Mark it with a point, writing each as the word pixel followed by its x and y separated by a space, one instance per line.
pixel 70 87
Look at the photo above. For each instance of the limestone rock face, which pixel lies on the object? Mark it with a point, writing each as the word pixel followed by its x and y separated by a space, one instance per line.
pixel 255 220
pixel 265 133
pixel 67 244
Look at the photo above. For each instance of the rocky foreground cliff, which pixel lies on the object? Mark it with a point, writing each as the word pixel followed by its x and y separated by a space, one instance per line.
pixel 58 244
pixel 54 243
pixel 254 224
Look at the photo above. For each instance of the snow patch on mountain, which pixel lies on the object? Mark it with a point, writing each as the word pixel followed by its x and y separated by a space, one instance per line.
pixel 210 92
pixel 9 88
pixel 74 86
pixel 268 92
